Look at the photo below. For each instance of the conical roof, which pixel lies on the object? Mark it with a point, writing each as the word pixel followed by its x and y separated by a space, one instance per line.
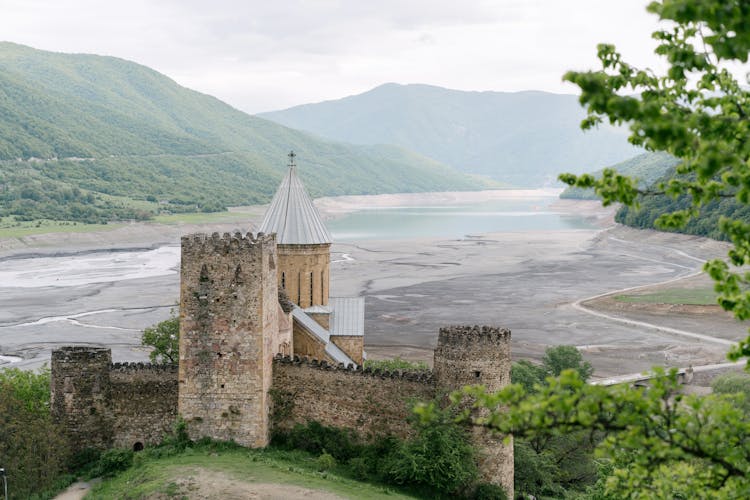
pixel 292 215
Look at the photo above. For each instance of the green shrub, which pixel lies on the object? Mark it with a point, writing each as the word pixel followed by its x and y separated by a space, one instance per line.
pixel 359 468
pixel 737 384
pixel 396 364
pixel 316 438
pixel 438 458
pixel 33 449
pixel 325 462
pixel 488 491
pixel 114 461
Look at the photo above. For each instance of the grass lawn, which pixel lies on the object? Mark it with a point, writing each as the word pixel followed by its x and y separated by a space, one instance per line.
pixel 175 476
pixel 9 228
pixel 687 296
pixel 201 218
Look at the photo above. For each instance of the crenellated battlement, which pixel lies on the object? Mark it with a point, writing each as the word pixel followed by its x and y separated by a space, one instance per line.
pixel 465 335
pixel 225 243
pixel 139 366
pixel 413 376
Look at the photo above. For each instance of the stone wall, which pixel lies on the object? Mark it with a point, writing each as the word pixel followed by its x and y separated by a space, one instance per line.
pixel 101 404
pixel 228 328
pixel 352 345
pixel 296 265
pixel 371 402
pixel 143 404
pixel 80 395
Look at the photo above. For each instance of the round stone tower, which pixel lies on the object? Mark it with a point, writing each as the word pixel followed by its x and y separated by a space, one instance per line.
pixel 479 355
pixel 80 395
pixel 304 243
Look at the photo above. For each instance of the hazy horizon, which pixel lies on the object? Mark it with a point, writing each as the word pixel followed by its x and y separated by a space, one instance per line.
pixel 261 56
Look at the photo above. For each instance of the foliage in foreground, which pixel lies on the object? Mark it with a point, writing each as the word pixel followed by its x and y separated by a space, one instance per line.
pixel 33 450
pixel 437 461
pixel 550 464
pixel 660 443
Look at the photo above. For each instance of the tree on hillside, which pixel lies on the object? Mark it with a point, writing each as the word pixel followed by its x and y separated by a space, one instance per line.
pixel 659 443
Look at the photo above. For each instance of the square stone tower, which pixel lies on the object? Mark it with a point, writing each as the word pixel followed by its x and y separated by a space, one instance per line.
pixel 228 321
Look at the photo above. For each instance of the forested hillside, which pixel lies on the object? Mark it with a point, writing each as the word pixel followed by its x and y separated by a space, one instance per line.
pixel 651 169
pixel 520 138
pixel 705 224
pixel 93 138
pixel 646 167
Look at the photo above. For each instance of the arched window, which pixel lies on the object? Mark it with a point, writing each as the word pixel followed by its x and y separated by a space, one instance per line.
pixel 283 280
pixel 299 289
pixel 322 287
pixel 311 290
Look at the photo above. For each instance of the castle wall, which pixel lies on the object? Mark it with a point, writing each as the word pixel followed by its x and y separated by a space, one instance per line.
pixel 372 403
pixel 143 403
pixel 228 324
pixel 352 345
pixel 298 263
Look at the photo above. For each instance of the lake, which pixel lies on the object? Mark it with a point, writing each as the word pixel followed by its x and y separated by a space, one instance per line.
pixel 455 220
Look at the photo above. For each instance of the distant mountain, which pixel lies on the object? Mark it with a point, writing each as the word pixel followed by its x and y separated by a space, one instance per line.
pixel 85 137
pixel 646 167
pixel 522 138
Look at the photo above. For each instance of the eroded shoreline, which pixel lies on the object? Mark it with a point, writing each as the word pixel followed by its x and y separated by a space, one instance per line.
pixel 525 281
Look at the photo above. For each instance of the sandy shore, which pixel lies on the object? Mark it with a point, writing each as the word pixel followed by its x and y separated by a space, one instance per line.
pixel 525 281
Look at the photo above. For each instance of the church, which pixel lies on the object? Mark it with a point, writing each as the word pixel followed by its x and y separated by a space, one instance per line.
pixel 311 322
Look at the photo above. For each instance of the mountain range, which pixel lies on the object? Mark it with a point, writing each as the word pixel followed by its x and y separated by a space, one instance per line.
pixel 520 138
pixel 92 138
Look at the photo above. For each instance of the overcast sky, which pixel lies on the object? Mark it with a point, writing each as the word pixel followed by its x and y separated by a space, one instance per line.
pixel 272 54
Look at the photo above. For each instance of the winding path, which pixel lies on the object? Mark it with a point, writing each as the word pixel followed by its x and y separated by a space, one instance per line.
pixel 578 304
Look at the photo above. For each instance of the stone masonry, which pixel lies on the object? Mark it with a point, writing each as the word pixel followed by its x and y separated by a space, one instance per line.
pixel 306 274
pixel 228 324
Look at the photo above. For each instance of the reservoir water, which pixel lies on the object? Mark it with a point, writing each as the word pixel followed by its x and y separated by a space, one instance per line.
pixel 455 220
pixel 450 219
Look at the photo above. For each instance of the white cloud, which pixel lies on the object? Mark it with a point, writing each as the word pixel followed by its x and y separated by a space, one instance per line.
pixel 262 55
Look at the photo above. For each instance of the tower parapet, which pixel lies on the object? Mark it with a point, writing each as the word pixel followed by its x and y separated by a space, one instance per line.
pixel 228 321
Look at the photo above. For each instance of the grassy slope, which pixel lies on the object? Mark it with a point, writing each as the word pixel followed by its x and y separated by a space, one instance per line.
pixel 687 296
pixel 127 131
pixel 523 138
pixel 163 476
pixel 646 167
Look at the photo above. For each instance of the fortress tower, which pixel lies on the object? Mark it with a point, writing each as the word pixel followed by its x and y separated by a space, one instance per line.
pixel 80 395
pixel 304 243
pixel 228 327
pixel 469 355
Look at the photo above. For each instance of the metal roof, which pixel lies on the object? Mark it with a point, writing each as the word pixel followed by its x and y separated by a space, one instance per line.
pixel 292 215
pixel 348 317
pixel 321 333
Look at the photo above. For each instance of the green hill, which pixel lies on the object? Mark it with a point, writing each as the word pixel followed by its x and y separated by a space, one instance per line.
pixel 705 224
pixel 521 138
pixel 646 167
pixel 92 138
